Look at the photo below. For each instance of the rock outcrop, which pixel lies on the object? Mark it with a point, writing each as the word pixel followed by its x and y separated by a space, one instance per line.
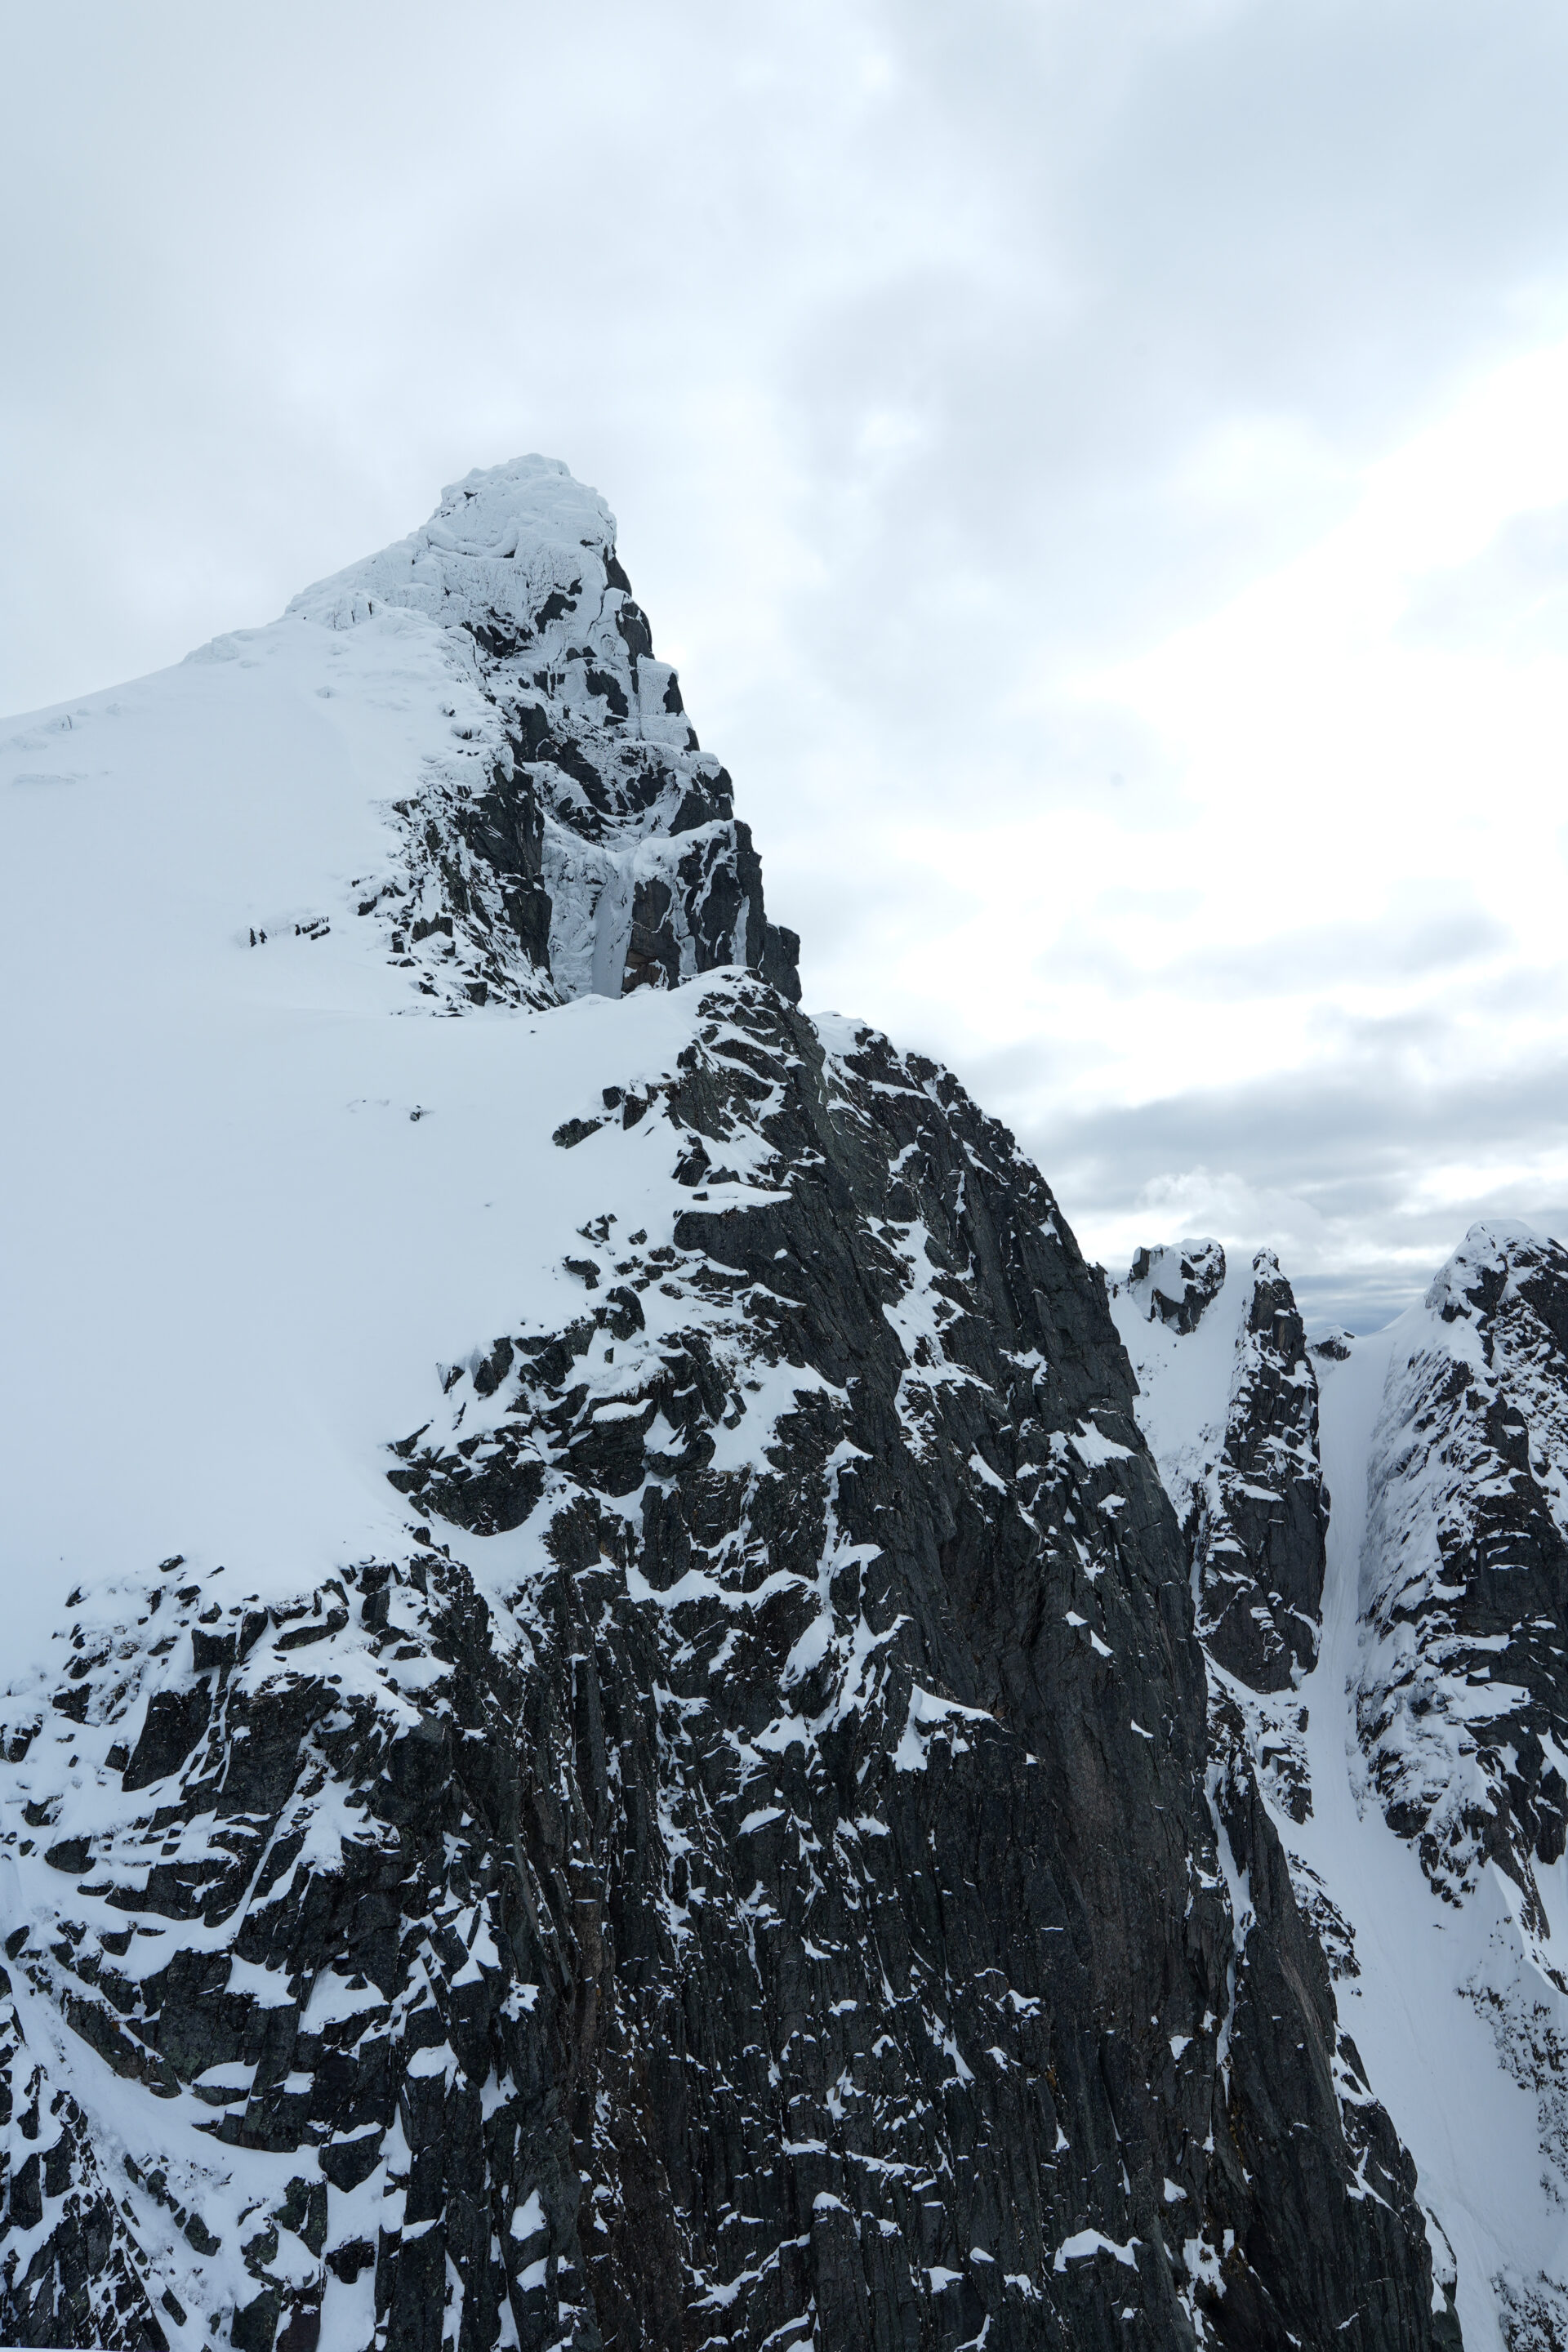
pixel 756 1860
pixel 801 1910
pixel 577 838
pixel 1264 1515
pixel 1464 1699
pixel 1176 1282
pixel 1235 1402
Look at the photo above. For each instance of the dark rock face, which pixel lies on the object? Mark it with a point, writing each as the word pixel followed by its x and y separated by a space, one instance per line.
pixel 774 1873
pixel 798 1907
pixel 1284 1973
pixel 532 867
pixel 1263 1516
pixel 1242 1463
pixel 1468 1566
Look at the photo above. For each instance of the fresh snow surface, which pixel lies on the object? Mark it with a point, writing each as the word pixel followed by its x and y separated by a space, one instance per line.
pixel 1184 1378
pixel 1446 1992
pixel 497 545
pixel 255 1196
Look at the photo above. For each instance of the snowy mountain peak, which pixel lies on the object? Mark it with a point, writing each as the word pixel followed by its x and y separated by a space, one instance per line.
pixel 496 548
pixel 610 1732
pixel 1492 1253
pixel 575 839
pixel 1176 1281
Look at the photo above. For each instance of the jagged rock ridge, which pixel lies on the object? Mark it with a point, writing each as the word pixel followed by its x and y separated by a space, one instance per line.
pixel 581 839
pixel 1428 1651
pixel 1249 1478
pixel 1464 1700
pixel 749 1855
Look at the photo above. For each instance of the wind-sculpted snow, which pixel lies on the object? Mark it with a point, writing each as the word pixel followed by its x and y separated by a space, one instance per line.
pixel 605 1740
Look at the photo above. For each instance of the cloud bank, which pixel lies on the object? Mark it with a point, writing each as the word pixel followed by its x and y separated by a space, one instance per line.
pixel 1098 469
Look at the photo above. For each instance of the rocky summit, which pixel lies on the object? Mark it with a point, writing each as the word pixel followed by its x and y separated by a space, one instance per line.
pixel 638 1712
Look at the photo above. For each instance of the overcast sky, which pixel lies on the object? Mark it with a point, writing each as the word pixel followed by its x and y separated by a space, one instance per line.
pixel 1101 468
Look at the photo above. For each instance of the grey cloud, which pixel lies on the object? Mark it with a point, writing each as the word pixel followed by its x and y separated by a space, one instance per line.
pixel 1301 961
pixel 1066 245
pixel 1351 1149
pixel 1200 216
pixel 897 335
pixel 1292 963
pixel 1316 1135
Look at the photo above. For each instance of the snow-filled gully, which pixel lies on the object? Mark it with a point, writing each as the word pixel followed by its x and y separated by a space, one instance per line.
pixel 1447 1971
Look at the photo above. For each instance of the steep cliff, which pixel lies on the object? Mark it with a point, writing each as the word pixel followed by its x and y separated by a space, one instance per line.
pixel 579 839
pixel 1412 1751
pixel 1464 1697
pixel 1241 1459
pixel 605 1738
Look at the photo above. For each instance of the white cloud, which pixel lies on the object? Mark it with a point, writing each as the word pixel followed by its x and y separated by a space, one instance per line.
pixel 1100 469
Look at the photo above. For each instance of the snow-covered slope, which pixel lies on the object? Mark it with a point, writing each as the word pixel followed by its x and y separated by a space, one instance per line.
pixel 227 1160
pixel 1415 1770
pixel 603 1736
